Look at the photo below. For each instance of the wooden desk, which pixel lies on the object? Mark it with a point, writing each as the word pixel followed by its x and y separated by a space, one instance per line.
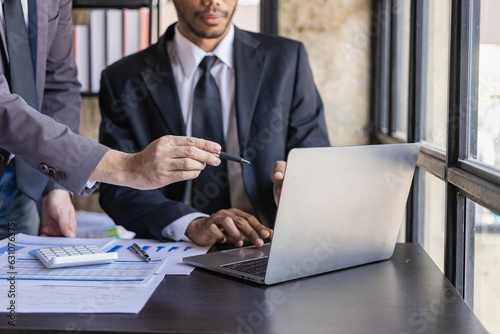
pixel 406 294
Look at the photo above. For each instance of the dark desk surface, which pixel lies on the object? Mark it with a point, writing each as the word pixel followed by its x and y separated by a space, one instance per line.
pixel 406 294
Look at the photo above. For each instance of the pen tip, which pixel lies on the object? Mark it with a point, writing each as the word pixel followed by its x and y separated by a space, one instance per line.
pixel 246 161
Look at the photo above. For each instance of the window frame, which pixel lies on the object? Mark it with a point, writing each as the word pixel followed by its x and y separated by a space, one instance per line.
pixel 464 178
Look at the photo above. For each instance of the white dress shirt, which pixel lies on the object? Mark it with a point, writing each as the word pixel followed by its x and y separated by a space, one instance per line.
pixel 185 58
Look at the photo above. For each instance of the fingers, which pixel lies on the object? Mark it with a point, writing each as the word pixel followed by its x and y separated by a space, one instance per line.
pixel 203 232
pixel 58 214
pixel 238 225
pixel 189 148
pixel 202 144
pixel 277 176
pixel 191 158
pixel 231 226
pixel 278 172
pixel 67 224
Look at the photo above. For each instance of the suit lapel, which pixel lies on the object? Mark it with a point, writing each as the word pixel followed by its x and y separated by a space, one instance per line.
pixel 4 43
pixel 41 50
pixel 249 62
pixel 160 83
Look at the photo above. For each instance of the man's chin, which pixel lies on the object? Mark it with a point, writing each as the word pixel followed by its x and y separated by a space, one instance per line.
pixel 212 34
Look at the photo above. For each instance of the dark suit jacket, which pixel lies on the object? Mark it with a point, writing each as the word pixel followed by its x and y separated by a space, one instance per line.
pixel 277 104
pixel 30 135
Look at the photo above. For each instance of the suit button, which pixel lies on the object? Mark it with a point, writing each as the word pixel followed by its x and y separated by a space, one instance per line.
pixel 59 176
pixel 44 168
pixel 51 171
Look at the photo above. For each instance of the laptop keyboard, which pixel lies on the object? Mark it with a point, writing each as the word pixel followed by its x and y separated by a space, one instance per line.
pixel 255 267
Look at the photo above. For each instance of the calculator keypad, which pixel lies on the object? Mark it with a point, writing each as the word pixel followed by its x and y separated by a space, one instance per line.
pixel 66 256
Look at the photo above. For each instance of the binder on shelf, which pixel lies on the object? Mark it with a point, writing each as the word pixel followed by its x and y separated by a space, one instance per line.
pixel 130 31
pixel 143 28
pixel 97 47
pixel 114 35
pixel 115 29
pixel 81 54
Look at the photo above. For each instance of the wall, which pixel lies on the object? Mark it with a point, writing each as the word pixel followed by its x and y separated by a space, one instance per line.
pixel 337 37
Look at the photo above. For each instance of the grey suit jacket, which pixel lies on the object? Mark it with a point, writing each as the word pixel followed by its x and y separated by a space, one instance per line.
pixel 33 136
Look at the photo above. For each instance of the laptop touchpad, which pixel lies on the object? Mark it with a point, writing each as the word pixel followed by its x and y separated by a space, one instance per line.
pixel 251 252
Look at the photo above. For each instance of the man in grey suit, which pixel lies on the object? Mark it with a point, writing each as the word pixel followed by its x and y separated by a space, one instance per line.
pixel 39 156
pixel 49 28
pixel 268 105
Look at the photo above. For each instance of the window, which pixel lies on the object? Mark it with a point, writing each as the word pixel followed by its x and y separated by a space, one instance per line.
pixel 486 267
pixel 434 219
pixel 452 88
pixel 486 128
pixel 437 66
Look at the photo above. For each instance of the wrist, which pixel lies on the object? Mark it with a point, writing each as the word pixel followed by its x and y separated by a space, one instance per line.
pixel 115 168
pixel 192 227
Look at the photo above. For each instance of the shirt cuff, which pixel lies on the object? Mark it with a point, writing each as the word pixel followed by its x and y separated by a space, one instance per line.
pixel 90 184
pixel 177 229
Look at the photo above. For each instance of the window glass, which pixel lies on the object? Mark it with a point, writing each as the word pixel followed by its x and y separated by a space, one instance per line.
pixel 404 66
pixel 488 118
pixel 436 92
pixel 487 268
pixel 434 219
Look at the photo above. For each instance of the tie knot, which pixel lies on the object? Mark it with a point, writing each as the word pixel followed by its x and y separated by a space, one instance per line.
pixel 208 62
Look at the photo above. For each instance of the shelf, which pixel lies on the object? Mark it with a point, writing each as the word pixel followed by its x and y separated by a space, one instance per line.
pixel 133 4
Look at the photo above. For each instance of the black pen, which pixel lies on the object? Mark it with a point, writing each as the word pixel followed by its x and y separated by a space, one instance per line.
pixel 139 251
pixel 230 157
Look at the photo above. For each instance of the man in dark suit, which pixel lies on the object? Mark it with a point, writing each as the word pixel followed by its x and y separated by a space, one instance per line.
pixel 266 102
pixel 41 156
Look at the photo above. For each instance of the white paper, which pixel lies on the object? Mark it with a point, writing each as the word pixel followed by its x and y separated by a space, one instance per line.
pixel 120 287
pixel 70 299
pixel 28 270
pixel 171 252
pixel 89 223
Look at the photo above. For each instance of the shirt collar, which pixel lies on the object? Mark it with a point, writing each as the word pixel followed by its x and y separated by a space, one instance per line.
pixel 190 55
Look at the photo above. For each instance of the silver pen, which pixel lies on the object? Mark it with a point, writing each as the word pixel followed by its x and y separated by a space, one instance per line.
pixel 230 157
pixel 139 251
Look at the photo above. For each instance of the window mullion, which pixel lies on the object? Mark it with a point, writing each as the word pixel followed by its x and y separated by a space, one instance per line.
pixel 463 92
pixel 416 96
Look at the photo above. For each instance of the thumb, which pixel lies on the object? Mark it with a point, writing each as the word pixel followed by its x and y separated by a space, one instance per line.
pixel 67 225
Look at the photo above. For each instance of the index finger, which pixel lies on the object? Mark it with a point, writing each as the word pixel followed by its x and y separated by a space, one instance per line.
pixel 202 144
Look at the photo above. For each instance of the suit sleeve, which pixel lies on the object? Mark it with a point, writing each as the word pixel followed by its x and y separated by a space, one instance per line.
pixel 61 100
pixel 307 126
pixel 146 213
pixel 37 139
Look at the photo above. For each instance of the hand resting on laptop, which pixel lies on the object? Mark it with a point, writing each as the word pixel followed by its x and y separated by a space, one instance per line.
pixel 228 226
pixel 233 225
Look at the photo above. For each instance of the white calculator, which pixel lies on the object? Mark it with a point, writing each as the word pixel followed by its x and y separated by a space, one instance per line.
pixel 71 256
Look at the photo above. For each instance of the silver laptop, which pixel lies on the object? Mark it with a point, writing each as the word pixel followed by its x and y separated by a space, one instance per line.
pixel 340 207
